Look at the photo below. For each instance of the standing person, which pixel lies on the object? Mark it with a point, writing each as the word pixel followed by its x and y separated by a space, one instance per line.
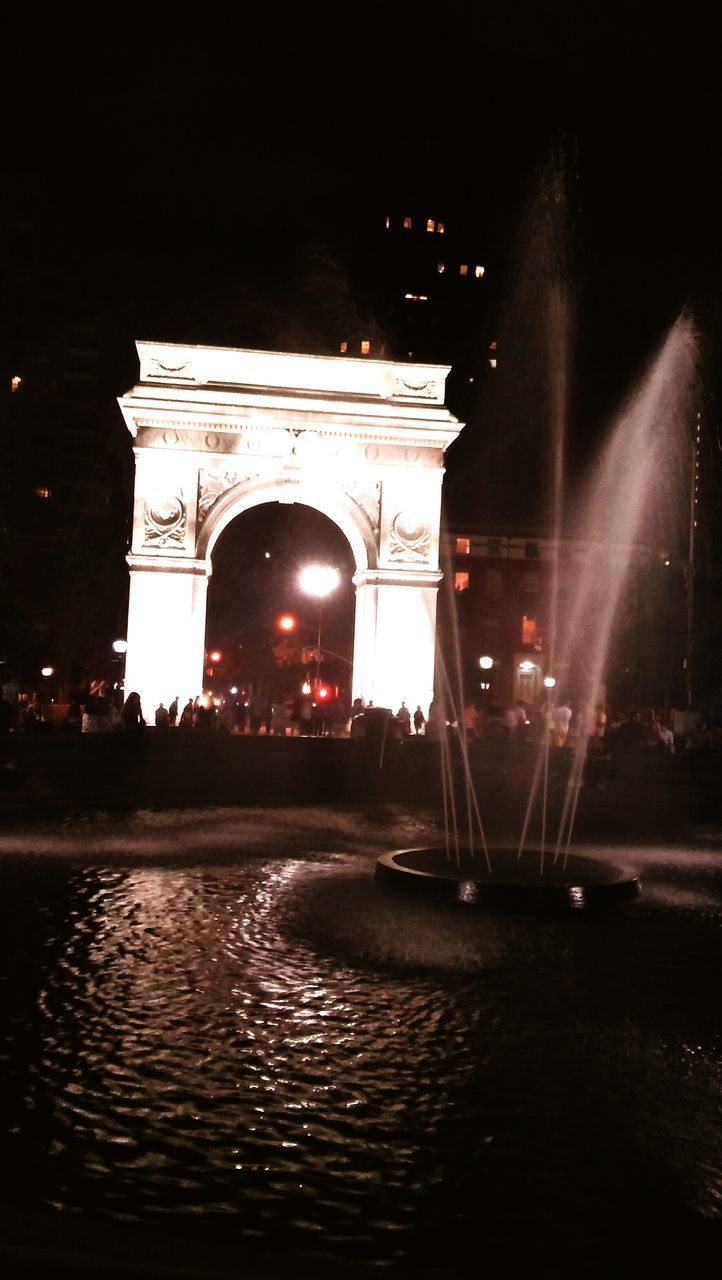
pixel 186 720
pixel 600 725
pixel 305 716
pixel 403 715
pixel 173 713
pixel 132 714
pixel 162 717
pixel 561 717
pixel 279 719
pixel 419 720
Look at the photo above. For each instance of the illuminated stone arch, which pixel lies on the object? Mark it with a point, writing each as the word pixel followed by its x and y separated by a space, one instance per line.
pixel 218 431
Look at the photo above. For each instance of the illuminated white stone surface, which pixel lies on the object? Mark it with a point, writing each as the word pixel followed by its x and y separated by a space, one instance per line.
pixel 218 431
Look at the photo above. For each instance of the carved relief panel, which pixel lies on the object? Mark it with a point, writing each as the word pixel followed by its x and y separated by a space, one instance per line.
pixel 164 522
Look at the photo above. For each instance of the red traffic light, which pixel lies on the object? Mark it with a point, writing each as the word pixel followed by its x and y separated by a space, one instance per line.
pixel 323 692
pixel 287 622
pixel 215 656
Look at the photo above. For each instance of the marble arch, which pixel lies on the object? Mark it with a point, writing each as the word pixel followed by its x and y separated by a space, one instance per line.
pixel 217 431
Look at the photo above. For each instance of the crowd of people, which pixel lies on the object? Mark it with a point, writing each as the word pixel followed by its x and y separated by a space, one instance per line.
pixel 604 730
pixel 95 708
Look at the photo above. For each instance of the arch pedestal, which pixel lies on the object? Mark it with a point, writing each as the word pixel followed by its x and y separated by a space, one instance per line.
pixel 219 431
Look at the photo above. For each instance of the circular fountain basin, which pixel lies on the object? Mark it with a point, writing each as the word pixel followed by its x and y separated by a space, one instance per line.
pixel 577 883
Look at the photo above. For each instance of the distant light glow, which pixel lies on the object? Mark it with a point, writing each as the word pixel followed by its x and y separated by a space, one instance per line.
pixel 215 655
pixel 233 689
pixel 486 662
pixel 527 666
pixel 319 580
pixel 120 646
pixel 549 682
pixel 16 383
pixel 478 272
pixel 47 671
pixel 305 687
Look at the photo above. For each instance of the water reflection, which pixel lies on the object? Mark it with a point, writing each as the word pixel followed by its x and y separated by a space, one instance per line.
pixel 275 1045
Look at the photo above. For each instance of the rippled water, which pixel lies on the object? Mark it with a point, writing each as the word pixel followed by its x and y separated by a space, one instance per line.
pixel 274 1048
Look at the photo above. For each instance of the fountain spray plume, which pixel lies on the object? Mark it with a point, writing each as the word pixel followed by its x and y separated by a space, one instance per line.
pixel 548 237
pixel 611 516
pixel 450 686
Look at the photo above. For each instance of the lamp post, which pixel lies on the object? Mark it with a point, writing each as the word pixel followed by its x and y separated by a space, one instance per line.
pixel 120 648
pixel 319 580
pixel 486 663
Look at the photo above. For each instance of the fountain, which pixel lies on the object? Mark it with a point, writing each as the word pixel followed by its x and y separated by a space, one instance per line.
pixel 607 519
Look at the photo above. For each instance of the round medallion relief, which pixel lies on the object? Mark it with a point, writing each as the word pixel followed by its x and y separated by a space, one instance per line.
pixel 371 452
pixel 170 436
pixel 412 455
pixel 212 440
pixel 409 528
pixel 167 514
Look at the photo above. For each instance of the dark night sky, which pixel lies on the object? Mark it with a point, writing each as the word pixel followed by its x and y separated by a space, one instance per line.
pixel 169 178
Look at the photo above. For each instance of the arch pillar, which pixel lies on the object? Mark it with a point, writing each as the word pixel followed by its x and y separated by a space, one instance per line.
pixel 394 641
pixel 166 629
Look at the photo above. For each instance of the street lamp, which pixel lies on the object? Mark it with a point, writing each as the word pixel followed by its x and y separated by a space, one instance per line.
pixel 549 682
pixel 319 580
pixel 120 648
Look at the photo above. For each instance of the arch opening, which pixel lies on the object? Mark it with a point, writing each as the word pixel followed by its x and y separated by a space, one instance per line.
pixel 266 629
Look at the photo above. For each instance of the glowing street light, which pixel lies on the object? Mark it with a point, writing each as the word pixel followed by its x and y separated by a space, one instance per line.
pixel 549 682
pixel 287 622
pixel 47 671
pixel 319 580
pixel 486 663
pixel 120 646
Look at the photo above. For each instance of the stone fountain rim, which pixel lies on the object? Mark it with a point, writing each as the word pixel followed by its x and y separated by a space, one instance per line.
pixel 572 886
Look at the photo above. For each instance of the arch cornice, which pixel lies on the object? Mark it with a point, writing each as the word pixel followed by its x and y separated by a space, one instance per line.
pixel 327 498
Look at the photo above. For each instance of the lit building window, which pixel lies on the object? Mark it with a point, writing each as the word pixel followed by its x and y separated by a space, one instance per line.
pixel 461 582
pixel 41 492
pixel 416 297
pixel 441 268
pixel 528 630
pixel 492 362
pixel 407 224
pixel 388 222
pixel 365 347
pixel 463 546
pixel 430 225
pixel 16 383
pixel 463 269
pixel 478 272
pixel 440 228
pixel 492 345
pixel 343 348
